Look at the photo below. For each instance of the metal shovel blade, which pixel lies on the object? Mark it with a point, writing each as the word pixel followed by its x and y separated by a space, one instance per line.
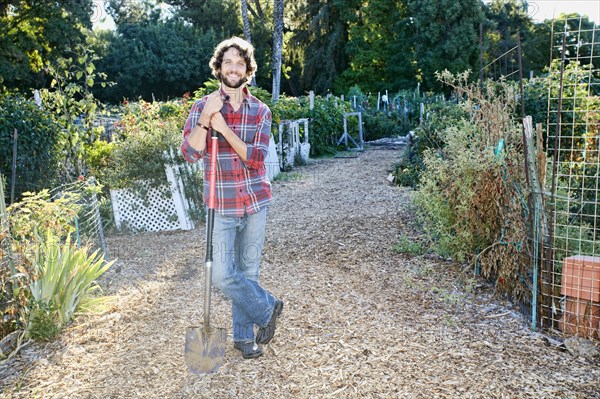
pixel 204 348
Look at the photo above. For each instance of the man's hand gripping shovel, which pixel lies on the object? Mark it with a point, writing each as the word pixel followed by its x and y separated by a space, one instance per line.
pixel 205 345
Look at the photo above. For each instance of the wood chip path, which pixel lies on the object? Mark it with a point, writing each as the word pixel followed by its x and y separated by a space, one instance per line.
pixel 360 320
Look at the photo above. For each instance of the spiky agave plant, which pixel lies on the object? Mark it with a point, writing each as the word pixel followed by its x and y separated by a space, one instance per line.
pixel 66 277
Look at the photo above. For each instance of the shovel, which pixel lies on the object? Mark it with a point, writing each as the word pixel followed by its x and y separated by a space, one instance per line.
pixel 205 345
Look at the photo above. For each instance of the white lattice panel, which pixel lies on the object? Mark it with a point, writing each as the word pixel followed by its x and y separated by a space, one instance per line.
pixel 158 214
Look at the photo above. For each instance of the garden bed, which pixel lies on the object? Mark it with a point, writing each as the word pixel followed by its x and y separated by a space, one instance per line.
pixel 360 320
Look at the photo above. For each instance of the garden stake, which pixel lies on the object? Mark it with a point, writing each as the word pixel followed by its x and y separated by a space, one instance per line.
pixel 205 345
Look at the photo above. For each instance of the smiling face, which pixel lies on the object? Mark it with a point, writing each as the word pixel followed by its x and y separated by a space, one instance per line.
pixel 233 69
pixel 233 62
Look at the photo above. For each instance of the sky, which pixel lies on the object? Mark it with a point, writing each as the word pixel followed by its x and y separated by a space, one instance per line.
pixel 539 10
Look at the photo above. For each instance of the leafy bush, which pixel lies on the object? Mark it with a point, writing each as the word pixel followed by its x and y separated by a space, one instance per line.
pixel 37 216
pixel 378 125
pixel 39 144
pixel 472 194
pixel 327 125
pixel 428 135
pixel 144 136
pixel 98 159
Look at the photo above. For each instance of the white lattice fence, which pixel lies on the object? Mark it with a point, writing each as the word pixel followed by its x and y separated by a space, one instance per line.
pixel 158 211
pixel 147 208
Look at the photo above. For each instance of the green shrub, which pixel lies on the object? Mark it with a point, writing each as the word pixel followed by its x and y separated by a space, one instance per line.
pixel 379 124
pixel 472 194
pixel 98 159
pixel 36 216
pixel 144 136
pixel 427 135
pixel 39 144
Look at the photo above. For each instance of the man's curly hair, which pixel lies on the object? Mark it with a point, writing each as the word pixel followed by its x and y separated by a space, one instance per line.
pixel 246 50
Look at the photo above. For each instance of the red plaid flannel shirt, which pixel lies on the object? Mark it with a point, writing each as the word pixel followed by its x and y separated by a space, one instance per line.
pixel 242 187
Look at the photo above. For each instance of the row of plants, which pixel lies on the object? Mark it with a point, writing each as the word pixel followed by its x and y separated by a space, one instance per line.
pixel 472 196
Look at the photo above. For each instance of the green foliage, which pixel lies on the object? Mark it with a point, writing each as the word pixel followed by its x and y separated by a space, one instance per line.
pixel 39 134
pixel 148 135
pixel 379 124
pixel 98 156
pixel 407 246
pixel 37 216
pixel 42 322
pixel 319 41
pixel 64 280
pixel 327 125
pixel 34 33
pixel 472 194
pixel 449 188
pixel 222 19
pixel 427 135
pixel 508 17
pixel 143 138
pixel 380 56
pixel 447 33
pixel 155 60
pixel 71 101
pixel 40 214
pixel 578 146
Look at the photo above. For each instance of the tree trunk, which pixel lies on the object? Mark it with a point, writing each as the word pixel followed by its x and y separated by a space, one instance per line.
pixel 277 46
pixel 246 21
pixel 247 34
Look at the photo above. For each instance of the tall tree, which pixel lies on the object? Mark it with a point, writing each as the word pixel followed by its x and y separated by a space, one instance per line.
pixel 34 33
pixel 319 40
pixel 220 15
pixel 447 36
pixel 223 16
pixel 132 11
pixel 507 19
pixel 380 48
pixel 277 47
pixel 247 31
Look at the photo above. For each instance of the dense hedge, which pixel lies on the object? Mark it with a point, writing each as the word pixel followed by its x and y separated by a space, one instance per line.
pixel 39 144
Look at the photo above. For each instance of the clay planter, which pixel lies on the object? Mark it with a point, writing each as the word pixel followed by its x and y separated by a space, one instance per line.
pixel 581 287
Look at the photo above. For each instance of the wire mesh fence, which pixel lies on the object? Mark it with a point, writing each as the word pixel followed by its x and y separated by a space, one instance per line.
pixel 86 224
pixel 562 172
pixel 569 250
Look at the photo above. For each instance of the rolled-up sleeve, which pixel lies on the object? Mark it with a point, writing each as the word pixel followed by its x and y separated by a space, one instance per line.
pixel 258 149
pixel 189 153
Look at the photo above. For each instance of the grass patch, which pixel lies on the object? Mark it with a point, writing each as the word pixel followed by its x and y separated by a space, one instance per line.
pixel 406 246
pixel 289 176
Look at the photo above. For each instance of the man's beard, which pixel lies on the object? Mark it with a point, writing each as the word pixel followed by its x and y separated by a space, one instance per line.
pixel 227 83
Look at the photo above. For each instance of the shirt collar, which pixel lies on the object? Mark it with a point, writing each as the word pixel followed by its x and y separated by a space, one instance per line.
pixel 245 93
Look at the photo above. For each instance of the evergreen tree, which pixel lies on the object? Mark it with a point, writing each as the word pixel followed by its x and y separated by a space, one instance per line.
pixel 156 60
pixel 321 34
pixel 447 36
pixel 380 49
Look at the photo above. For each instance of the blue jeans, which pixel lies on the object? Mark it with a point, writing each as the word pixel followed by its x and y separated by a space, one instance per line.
pixel 237 249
